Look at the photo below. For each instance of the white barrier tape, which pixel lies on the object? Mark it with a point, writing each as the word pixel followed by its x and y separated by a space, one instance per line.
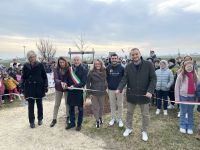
pixel 20 96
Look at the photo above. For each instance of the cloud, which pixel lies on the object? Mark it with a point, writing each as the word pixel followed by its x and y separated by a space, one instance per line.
pixel 107 24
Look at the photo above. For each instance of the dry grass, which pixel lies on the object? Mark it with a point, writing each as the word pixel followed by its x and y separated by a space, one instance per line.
pixel 163 132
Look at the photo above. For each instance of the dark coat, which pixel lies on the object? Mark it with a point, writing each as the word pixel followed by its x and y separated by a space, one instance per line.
pixel 97 81
pixel 139 82
pixel 58 78
pixel 75 97
pixel 34 80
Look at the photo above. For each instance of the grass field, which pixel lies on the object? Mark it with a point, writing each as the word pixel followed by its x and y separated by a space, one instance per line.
pixel 163 133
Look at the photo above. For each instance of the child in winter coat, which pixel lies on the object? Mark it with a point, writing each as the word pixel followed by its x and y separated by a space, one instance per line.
pixel 185 89
pixel 2 88
pixel 165 80
pixel 11 85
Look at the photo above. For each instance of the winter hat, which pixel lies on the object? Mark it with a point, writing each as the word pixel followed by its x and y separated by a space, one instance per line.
pixel 172 60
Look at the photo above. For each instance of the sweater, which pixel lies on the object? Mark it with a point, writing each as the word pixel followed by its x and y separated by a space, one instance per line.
pixel 181 87
pixel 114 76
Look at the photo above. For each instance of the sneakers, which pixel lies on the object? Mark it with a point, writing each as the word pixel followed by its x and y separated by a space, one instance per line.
pixel 112 121
pixel 120 123
pixel 179 113
pixel 170 106
pixel 157 111
pixel 165 112
pixel 182 130
pixel 190 131
pixel 97 124
pixel 127 132
pixel 54 121
pixel 100 121
pixel 144 136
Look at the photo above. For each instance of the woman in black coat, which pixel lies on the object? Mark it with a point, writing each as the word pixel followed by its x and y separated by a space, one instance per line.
pixel 34 86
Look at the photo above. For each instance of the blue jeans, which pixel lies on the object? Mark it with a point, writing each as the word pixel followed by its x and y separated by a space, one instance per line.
pixel 162 96
pixel 72 115
pixel 186 123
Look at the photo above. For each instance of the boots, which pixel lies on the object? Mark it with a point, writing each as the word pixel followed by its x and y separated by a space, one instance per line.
pixel 53 123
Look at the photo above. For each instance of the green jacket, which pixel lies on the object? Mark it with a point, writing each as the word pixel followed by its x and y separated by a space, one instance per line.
pixel 138 82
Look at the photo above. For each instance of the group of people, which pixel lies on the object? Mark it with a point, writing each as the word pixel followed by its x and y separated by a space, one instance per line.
pixel 10 77
pixel 141 81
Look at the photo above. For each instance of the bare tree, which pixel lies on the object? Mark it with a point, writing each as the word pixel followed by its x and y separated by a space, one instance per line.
pixel 80 44
pixel 46 50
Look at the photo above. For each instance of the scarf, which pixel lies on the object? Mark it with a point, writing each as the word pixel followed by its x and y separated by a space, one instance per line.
pixel 191 86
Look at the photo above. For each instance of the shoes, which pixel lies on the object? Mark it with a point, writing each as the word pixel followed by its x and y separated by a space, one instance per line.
pixel 144 136
pixel 127 132
pixel 157 111
pixel 100 121
pixel 32 125
pixel 120 123
pixel 67 120
pixel 97 124
pixel 190 131
pixel 39 122
pixel 111 123
pixel 179 113
pixel 54 121
pixel 69 126
pixel 170 106
pixel 165 112
pixel 182 130
pixel 78 128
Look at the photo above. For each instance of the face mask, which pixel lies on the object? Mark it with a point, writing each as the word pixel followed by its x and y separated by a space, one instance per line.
pixel 189 67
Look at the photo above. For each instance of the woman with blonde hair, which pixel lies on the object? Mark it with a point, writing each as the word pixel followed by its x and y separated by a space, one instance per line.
pixel 97 81
pixel 34 86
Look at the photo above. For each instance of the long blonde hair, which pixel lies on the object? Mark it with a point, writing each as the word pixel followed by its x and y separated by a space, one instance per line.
pixel 102 69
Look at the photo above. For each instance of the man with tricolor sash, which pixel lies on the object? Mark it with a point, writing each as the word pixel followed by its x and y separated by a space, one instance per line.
pixel 76 78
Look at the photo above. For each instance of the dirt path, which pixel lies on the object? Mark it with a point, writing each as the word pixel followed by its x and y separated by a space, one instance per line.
pixel 15 132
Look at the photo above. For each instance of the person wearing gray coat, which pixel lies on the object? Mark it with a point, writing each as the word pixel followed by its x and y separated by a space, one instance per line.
pixel 97 81
pixel 140 79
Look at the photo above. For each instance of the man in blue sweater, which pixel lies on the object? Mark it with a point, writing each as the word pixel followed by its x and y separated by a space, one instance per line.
pixel 115 72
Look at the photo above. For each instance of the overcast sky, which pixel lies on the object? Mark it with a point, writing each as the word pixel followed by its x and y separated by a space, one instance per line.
pixel 107 25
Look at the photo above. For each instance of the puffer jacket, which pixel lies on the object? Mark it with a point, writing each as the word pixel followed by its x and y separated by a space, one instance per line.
pixel 165 79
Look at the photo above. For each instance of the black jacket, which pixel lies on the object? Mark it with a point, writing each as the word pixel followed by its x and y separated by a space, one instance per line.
pixel 75 97
pixel 34 80
pixel 139 82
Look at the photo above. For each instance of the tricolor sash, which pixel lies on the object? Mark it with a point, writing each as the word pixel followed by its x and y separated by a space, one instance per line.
pixel 73 75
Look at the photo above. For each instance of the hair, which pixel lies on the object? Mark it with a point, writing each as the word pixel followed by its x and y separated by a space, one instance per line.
pixel 102 66
pixel 30 53
pixel 183 71
pixel 135 49
pixel 62 58
pixel 187 58
pixel 114 55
